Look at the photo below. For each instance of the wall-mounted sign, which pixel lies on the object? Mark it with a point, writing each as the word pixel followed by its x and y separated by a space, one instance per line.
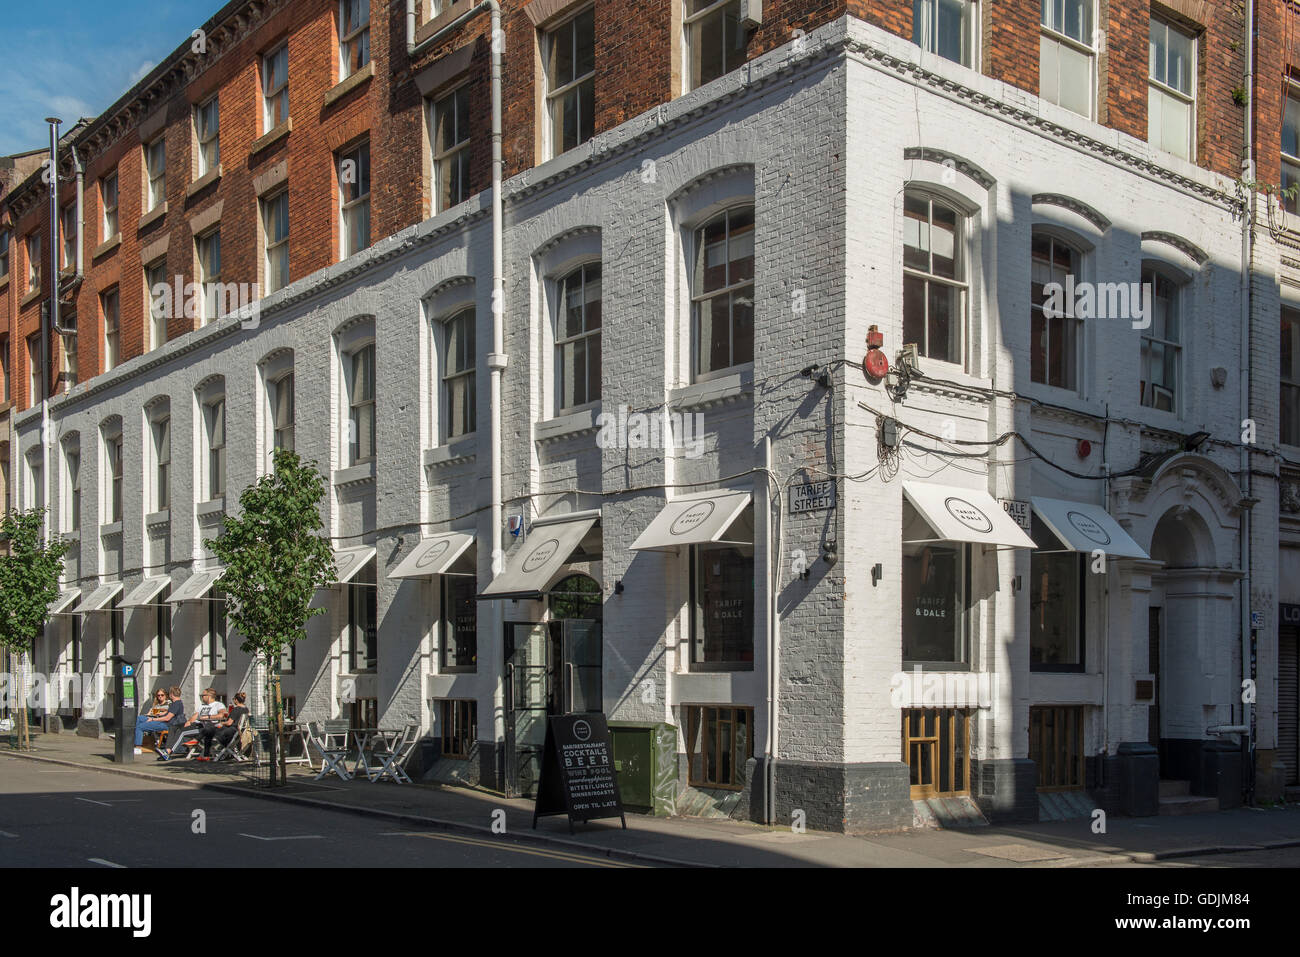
pixel 577 776
pixel 812 497
pixel 1018 511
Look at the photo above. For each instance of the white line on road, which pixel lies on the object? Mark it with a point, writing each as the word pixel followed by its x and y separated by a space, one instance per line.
pixel 298 837
pixel 100 860
pixel 7 834
pixel 89 801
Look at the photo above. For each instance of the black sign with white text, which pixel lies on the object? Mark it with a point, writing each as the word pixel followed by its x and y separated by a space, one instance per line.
pixel 577 776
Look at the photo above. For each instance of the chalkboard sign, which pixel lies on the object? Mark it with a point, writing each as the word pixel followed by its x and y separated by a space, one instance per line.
pixel 577 776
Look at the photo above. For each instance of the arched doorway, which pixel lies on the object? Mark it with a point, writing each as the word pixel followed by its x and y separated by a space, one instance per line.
pixel 551 667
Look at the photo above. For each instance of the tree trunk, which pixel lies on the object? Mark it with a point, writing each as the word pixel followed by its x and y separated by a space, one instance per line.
pixel 23 741
pixel 272 706
pixel 279 727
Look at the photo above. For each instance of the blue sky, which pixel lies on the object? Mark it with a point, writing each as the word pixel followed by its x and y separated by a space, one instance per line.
pixel 76 57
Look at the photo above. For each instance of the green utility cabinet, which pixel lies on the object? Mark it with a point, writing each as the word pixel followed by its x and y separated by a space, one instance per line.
pixel 645 760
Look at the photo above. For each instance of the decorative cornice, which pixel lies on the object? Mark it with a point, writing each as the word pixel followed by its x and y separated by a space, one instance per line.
pixel 1188 249
pixel 568 235
pixel 953 161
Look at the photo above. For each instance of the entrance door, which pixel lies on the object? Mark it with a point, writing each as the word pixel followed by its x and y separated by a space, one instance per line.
pixel 579 646
pixel 527 693
pixel 1288 702
pixel 936 747
pixel 1153 665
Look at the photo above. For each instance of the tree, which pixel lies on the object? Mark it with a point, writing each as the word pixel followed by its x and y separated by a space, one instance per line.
pixel 276 556
pixel 29 583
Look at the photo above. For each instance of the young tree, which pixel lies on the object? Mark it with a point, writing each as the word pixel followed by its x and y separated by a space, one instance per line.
pixel 276 557
pixel 29 583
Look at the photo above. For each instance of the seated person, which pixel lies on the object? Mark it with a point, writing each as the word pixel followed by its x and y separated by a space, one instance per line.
pixel 223 732
pixel 171 721
pixel 158 710
pixel 190 731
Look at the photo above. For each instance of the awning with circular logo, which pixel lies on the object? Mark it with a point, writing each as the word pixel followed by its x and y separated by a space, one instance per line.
pixel 196 586
pixel 433 556
pixel 696 519
pixel 61 604
pixel 349 561
pixel 964 515
pixel 1086 528
pixel 145 592
pixel 98 599
pixel 533 564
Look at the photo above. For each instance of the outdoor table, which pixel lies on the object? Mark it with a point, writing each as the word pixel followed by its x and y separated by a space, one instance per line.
pixel 296 731
pixel 372 740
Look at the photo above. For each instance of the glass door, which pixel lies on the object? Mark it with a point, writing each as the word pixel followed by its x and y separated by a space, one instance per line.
pixel 527 648
pixel 581 672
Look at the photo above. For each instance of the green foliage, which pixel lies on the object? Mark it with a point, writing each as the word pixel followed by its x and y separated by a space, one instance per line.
pixel 29 578
pixel 275 556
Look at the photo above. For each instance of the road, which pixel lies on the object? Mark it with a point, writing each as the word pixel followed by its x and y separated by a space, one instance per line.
pixel 65 817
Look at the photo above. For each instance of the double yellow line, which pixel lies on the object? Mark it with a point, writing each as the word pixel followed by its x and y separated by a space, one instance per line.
pixel 566 856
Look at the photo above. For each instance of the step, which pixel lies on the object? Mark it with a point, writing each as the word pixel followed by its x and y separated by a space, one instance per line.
pixel 947 812
pixel 1175 788
pixel 1187 804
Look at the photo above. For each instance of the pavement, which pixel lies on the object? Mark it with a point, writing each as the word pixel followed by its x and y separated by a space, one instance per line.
pixel 1245 836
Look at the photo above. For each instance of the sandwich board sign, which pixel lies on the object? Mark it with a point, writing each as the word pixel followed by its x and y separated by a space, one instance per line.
pixel 577 776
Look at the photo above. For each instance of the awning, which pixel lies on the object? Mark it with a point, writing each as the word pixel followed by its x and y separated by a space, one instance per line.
pixel 534 564
pixel 98 599
pixel 349 561
pixel 693 520
pixel 61 604
pixel 145 592
pixel 965 515
pixel 1086 528
pixel 196 586
pixel 433 556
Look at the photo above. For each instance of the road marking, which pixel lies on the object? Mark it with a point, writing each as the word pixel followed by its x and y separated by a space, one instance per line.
pixel 100 860
pixel 7 834
pixel 572 858
pixel 89 801
pixel 296 837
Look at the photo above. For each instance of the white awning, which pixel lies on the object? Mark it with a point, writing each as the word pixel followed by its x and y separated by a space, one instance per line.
pixel 61 604
pixel 145 592
pixel 98 599
pixel 696 519
pixel 965 515
pixel 349 561
pixel 196 586
pixel 1086 528
pixel 534 564
pixel 433 556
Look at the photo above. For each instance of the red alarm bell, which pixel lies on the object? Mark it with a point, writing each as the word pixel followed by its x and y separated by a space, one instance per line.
pixel 874 363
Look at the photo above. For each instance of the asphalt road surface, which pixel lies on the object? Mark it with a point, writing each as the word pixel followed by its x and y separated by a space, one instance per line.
pixel 52 816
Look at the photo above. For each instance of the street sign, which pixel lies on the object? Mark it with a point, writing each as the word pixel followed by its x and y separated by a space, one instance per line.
pixel 812 497
pixel 577 775
pixel 1020 512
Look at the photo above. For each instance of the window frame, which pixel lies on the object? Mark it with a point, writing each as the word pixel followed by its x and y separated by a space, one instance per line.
pixel 694 718
pixel 72 470
pixel 928 30
pixel 109 200
pixel 695 641
pixel 457 727
pixel 1089 49
pixel 1290 168
pixel 218 633
pixel 1290 315
pixel 1050 548
pixel 207 149
pixel 6 238
pixel 157 315
pixel 278 428
pixel 162 634
pixel 459 153
pixel 214 452
pixel 1076 323
pixel 355 404
pixel 553 96
pixel 69 230
pixel 1155 273
pixel 160 437
pixel 155 189
pixel 68 350
pixel 347 37
pixel 272 248
pixel 33 250
pixel 446 629
pixel 363 599
pixel 696 300
pixel 961 259
pixel 561 341
pixel 361 201
pixel 114 451
pixel 112 323
pixel 447 381
pixel 272 98
pixel 964 603
pixel 208 242
pixel 1164 88
pixel 690 21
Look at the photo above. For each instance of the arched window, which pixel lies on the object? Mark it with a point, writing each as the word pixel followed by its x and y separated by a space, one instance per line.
pixel 1054 333
pixel 934 277
pixel 577 337
pixel 722 291
pixel 1161 340
pixel 456 370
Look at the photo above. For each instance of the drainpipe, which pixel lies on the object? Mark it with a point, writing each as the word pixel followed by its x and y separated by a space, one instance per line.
pixel 773 630
pixel 53 321
pixel 81 212
pixel 1247 268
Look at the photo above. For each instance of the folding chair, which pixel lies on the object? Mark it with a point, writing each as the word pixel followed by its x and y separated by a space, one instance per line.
pixel 191 739
pixel 391 759
pixel 333 748
pixel 234 748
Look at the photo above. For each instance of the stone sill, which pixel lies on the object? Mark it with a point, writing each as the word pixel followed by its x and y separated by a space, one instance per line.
pixel 364 472
pixel 344 87
pixel 725 388
pixel 272 136
pixel 460 449
pixel 203 182
pixel 213 506
pixel 107 246
pixel 162 517
pixel 571 423
pixel 30 297
pixel 151 217
pixel 4 282
pixel 114 528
